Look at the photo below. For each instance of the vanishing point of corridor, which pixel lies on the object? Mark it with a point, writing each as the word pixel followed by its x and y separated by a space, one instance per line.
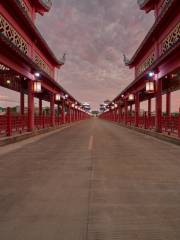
pixel 93 180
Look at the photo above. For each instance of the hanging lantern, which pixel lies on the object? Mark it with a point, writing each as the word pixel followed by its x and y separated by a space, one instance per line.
pixel 131 97
pixel 57 97
pixel 112 107
pixel 37 86
pixel 73 105
pixel 150 87
pixel 115 105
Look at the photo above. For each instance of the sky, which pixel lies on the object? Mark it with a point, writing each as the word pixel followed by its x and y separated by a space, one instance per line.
pixel 94 34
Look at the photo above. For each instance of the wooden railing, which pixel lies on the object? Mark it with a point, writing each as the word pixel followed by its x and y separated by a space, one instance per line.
pixel 170 124
pixel 16 123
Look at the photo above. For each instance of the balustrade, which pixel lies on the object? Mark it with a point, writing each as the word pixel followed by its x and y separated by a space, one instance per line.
pixel 170 124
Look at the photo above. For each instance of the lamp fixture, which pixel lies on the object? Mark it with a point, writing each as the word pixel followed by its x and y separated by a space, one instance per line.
pixel 57 97
pixel 37 88
pixel 8 81
pixel 150 88
pixel 131 97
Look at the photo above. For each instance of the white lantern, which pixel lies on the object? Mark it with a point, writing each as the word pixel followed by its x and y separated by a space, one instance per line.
pixel 131 97
pixel 150 86
pixel 112 107
pixel 57 97
pixel 115 105
pixel 37 86
pixel 76 107
pixel 73 105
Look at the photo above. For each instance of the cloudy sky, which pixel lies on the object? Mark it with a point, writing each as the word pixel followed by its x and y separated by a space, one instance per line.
pixel 94 34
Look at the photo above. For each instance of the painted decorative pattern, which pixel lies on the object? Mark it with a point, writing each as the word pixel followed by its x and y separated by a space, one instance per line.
pixel 12 35
pixel 146 64
pixel 41 63
pixel 3 68
pixel 172 38
pixel 24 6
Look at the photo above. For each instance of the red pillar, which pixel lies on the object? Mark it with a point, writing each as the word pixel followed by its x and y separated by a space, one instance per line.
pixel 130 110
pixel 149 107
pixel 137 106
pixel 117 114
pixel 62 113
pixel 168 103
pixel 9 122
pixel 59 111
pixel 77 114
pixel 70 114
pixel 52 110
pixel 22 103
pixel 30 106
pixel 159 106
pixel 40 106
pixel 126 111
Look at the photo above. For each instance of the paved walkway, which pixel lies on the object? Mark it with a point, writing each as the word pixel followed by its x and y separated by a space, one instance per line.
pixel 92 181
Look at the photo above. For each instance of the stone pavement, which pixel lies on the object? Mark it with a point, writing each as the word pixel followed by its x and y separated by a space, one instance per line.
pixel 92 181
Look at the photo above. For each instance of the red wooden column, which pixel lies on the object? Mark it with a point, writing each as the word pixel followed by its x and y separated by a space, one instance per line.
pixel 70 114
pixel 159 106
pixel 22 102
pixel 120 113
pixel 62 113
pixel 52 110
pixel 117 115
pixel 137 106
pixel 77 114
pixel 126 110
pixel 40 106
pixel 149 107
pixel 58 113
pixel 168 103
pixel 30 106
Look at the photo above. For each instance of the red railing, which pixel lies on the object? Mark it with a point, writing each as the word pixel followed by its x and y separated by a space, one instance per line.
pixel 15 123
pixel 3 125
pixel 12 124
pixel 170 124
pixel 19 123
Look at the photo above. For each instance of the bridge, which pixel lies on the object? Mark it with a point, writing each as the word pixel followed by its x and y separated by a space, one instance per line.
pixel 66 174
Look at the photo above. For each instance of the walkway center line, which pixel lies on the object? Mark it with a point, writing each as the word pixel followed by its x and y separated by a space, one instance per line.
pixel 90 145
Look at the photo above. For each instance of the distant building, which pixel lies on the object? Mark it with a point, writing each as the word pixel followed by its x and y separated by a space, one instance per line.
pixel 103 106
pixel 86 106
